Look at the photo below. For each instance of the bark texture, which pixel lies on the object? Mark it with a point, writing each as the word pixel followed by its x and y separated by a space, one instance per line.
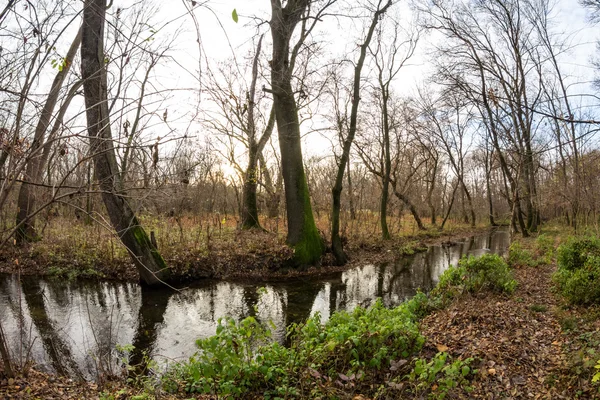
pixel 336 241
pixel 303 235
pixel 147 259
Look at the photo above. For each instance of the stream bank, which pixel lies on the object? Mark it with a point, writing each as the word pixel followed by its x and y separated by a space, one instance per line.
pixel 227 254
pixel 530 344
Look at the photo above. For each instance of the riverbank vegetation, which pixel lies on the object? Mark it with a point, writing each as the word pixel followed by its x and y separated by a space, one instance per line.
pixel 290 139
pixel 134 150
pixel 488 328
pixel 211 247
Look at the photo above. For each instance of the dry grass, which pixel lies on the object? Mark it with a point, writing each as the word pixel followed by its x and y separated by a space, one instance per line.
pixel 200 246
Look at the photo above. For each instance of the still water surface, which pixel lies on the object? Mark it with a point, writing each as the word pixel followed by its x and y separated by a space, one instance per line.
pixel 73 327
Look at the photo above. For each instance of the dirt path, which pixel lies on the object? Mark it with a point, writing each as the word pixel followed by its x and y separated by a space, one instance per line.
pixel 518 339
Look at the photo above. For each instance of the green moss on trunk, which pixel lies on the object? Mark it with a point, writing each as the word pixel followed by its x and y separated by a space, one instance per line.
pixel 142 239
pixel 309 249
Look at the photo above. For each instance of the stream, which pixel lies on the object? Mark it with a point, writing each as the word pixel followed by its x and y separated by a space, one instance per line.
pixel 73 328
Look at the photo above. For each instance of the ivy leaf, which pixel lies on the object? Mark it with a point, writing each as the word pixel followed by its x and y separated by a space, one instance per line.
pixel 234 15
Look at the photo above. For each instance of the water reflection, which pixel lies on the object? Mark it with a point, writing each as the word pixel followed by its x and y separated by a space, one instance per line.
pixel 73 327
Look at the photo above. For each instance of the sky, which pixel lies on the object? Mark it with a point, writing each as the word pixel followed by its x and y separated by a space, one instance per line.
pixel 218 39
pixel 223 39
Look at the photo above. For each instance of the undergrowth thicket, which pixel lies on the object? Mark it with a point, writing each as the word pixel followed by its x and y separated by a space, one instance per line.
pixel 578 274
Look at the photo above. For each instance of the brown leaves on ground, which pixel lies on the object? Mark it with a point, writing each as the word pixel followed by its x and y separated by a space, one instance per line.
pixel 37 385
pixel 517 340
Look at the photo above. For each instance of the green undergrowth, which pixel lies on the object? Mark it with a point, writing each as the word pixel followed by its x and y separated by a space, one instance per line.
pixel 577 279
pixel 473 274
pixel 578 274
pixel 532 252
pixel 374 351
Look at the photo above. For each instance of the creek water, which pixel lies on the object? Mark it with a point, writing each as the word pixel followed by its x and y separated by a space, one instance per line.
pixel 73 328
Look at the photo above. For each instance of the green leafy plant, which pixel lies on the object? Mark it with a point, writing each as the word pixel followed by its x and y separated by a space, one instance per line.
pixel 438 376
pixel 578 274
pixel 473 274
pixel 596 377
pixel 242 358
pixel 573 254
pixel 518 256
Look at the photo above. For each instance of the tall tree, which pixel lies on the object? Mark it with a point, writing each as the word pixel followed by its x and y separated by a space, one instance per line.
pixel 255 148
pixel 336 192
pixel 303 235
pixel 35 167
pixel 389 60
pixel 149 262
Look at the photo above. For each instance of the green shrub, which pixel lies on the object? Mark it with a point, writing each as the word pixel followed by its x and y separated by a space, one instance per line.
pixel 581 286
pixel 474 274
pixel 241 358
pixel 573 254
pixel 518 256
pixel 578 274
pixel 362 339
pixel 441 373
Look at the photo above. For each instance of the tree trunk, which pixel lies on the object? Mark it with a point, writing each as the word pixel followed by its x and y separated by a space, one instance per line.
pixel 336 192
pixel 470 202
pixel 430 191
pixel 410 205
pixel 488 184
pixel 387 165
pixel 350 192
pixel 26 200
pixel 273 197
pixel 249 204
pixel 147 259
pixel 449 206
pixel 303 235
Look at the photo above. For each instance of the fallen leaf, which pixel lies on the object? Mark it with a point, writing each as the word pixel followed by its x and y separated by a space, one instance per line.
pixel 441 348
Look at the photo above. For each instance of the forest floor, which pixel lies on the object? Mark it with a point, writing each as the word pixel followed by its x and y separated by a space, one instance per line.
pixel 198 249
pixel 528 345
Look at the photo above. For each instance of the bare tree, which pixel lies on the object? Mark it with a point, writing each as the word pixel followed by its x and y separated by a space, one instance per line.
pixel 336 242
pixel 35 168
pixel 389 60
pixel 145 256
pixel 303 235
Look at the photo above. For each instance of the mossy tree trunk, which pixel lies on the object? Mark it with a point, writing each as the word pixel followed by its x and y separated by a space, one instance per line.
pixel 336 241
pixel 303 235
pixel 147 259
